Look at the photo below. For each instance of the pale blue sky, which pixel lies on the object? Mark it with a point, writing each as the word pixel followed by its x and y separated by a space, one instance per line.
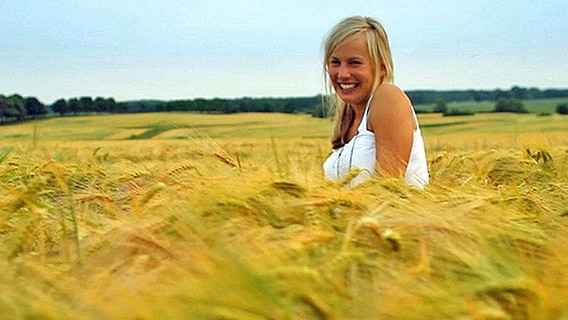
pixel 174 49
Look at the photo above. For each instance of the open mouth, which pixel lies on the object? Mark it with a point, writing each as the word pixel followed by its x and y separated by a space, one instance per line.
pixel 347 86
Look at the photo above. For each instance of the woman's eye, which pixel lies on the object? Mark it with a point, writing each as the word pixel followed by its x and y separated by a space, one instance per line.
pixel 334 62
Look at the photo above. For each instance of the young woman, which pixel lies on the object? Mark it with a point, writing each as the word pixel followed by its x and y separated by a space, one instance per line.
pixel 375 130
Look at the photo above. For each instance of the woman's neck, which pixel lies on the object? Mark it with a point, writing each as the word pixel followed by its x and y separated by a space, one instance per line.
pixel 359 109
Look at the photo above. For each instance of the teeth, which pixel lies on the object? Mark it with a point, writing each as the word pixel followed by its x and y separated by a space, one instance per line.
pixel 346 86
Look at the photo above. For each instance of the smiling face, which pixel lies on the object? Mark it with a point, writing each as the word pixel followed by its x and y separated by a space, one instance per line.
pixel 351 70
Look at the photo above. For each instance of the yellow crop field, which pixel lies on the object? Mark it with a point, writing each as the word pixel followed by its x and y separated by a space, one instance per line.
pixel 192 216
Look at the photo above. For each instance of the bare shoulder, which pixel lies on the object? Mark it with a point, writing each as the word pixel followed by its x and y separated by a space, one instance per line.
pixel 389 94
pixel 390 107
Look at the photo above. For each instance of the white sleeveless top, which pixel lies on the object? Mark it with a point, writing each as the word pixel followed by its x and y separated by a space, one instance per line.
pixel 360 152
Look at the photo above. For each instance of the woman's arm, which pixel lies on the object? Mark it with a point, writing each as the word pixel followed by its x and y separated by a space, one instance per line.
pixel 392 121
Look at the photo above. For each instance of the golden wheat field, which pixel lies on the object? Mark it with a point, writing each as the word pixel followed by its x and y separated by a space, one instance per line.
pixel 184 216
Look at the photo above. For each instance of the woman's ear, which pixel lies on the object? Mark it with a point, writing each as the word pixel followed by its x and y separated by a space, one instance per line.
pixel 383 71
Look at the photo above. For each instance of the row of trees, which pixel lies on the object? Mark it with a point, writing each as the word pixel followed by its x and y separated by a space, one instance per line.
pixel 501 105
pixel 17 108
pixel 217 105
pixel 85 105
pixel 520 93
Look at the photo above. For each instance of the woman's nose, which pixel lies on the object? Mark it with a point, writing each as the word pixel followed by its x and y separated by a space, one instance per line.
pixel 343 72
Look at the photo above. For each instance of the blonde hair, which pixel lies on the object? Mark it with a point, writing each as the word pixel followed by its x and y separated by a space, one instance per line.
pixel 379 51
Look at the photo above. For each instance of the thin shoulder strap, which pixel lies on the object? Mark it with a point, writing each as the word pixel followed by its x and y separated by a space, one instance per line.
pixel 368 107
pixel 365 114
pixel 415 117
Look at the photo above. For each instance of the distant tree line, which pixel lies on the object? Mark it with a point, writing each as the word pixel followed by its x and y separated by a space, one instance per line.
pixel 17 108
pixel 217 105
pixel 431 96
pixel 85 105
